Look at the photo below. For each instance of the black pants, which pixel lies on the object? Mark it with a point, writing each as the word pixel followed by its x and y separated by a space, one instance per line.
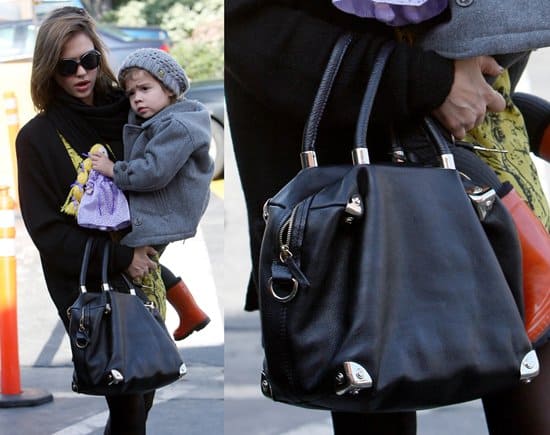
pixel 128 413
pixel 168 277
pixel 521 410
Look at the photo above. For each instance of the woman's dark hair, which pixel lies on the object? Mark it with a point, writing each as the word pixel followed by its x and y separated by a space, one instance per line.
pixel 57 28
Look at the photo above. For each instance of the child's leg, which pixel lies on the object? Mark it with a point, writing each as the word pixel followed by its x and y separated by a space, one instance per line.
pixel 192 318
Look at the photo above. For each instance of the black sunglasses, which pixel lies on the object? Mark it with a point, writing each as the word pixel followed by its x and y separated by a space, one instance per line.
pixel 69 67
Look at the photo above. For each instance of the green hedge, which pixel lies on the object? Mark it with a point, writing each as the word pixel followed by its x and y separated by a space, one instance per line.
pixel 194 26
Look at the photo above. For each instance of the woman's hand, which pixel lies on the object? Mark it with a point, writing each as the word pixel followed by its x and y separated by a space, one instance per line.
pixel 141 263
pixel 102 164
pixel 470 96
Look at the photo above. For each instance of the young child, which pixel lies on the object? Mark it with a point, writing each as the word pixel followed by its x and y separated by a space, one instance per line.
pixel 167 169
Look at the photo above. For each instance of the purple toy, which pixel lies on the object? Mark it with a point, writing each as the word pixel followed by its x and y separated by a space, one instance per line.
pixel 103 205
pixel 393 12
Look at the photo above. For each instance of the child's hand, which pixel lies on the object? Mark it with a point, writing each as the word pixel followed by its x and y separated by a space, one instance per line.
pixel 102 164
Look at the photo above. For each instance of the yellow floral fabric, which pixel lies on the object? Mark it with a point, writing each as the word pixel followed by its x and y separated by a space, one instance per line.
pixel 153 287
pixel 503 131
pixel 506 131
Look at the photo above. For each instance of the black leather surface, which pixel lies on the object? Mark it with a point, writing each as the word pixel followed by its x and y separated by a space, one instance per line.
pixel 113 330
pixel 412 290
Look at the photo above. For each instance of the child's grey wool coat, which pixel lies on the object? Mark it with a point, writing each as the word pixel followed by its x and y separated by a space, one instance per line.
pixel 166 173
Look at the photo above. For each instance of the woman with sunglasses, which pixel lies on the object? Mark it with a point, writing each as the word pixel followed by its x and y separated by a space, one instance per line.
pixel 79 105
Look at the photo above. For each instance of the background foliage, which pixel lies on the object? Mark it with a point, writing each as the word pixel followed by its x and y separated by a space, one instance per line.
pixel 195 28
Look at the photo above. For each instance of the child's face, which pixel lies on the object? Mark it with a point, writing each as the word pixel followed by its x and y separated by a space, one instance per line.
pixel 147 96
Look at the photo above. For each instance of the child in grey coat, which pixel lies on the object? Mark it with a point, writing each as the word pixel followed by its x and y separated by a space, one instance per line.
pixel 166 169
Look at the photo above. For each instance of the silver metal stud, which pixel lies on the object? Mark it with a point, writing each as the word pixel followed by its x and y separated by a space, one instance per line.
pixel 352 379
pixel 529 367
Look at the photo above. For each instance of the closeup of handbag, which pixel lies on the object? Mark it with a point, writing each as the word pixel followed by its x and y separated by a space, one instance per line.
pixel 379 287
pixel 119 342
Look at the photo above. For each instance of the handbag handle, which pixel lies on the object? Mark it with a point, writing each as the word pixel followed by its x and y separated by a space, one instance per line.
pixel 360 154
pixel 105 286
pixel 308 156
pixel 84 266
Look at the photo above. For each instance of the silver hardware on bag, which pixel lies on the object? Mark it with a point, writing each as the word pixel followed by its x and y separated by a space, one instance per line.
pixel 448 161
pixel 354 209
pixel 288 297
pixel 360 156
pixel 352 379
pixel 489 150
pixel 265 386
pixel 265 211
pixel 529 367
pixel 183 369
pixel 483 199
pixel 115 377
pixel 150 305
pixel 284 253
pixel 398 156
pixel 308 159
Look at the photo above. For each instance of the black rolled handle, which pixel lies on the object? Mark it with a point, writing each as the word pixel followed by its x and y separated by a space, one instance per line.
pixel 312 124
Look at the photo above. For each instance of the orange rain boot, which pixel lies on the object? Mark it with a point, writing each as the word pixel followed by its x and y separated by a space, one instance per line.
pixel 535 250
pixel 192 318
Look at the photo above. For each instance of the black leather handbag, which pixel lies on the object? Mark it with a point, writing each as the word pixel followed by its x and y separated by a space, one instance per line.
pixel 118 341
pixel 379 288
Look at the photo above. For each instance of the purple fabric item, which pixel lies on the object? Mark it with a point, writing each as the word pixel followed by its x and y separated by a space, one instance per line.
pixel 103 205
pixel 393 12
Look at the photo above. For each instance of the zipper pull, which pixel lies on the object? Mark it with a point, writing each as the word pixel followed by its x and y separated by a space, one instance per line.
pixel 354 209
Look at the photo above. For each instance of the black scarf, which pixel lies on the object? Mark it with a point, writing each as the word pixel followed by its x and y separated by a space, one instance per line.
pixel 83 125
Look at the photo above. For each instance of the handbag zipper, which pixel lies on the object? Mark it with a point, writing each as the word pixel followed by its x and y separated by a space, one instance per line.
pixel 285 234
pixel 288 268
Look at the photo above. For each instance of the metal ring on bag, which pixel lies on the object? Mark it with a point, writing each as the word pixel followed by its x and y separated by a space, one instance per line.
pixel 287 298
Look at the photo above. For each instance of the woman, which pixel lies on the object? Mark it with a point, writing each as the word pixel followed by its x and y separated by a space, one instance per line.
pixel 80 105
pixel 272 73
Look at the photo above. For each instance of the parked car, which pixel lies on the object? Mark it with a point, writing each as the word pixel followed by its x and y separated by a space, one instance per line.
pixel 147 33
pixel 17 40
pixel 44 7
pixel 120 43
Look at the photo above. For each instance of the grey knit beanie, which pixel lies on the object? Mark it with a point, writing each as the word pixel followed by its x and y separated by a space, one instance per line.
pixel 160 65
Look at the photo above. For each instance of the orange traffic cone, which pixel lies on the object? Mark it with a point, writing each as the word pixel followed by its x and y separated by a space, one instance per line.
pixel 12 394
